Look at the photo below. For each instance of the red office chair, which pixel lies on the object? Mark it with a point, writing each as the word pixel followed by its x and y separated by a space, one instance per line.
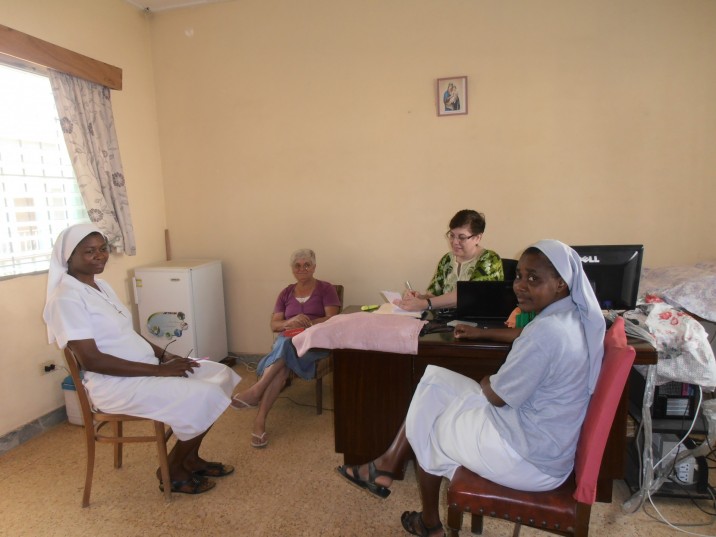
pixel 565 510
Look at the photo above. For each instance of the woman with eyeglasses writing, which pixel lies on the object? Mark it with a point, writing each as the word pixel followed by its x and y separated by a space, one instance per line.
pixel 518 427
pixel 467 260
pixel 299 306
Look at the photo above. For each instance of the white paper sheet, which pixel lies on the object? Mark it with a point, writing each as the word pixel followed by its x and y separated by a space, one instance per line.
pixel 390 308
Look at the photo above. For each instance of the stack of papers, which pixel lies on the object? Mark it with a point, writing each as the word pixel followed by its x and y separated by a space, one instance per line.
pixel 392 309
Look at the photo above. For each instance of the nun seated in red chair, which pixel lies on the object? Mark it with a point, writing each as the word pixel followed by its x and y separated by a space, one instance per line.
pixel 519 427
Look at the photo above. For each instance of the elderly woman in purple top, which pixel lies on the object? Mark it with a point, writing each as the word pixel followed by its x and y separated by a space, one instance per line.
pixel 300 305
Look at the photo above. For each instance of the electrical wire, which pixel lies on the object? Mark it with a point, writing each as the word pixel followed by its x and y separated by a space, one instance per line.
pixel 687 494
pixel 681 441
pixel 250 366
pixel 311 405
pixel 668 523
pixel 649 485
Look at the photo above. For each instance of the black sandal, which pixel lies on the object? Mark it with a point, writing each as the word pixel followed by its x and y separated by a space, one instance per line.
pixel 368 484
pixel 193 485
pixel 412 522
pixel 214 469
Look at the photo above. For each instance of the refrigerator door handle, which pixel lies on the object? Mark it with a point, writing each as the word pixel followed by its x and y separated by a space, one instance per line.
pixel 136 290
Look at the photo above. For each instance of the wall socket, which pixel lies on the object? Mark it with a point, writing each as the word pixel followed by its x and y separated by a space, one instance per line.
pixel 48 367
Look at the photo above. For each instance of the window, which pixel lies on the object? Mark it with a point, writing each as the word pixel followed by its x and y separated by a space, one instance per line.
pixel 39 196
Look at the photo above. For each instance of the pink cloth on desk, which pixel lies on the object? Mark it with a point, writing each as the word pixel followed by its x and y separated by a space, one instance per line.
pixel 364 331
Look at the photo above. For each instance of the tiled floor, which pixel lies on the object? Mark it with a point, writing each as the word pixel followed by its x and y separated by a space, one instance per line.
pixel 288 489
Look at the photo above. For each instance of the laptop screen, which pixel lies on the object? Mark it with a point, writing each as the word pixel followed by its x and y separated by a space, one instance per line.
pixel 485 300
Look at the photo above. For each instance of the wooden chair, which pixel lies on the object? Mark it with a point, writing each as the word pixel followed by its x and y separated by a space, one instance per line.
pixel 324 366
pixel 94 423
pixel 565 510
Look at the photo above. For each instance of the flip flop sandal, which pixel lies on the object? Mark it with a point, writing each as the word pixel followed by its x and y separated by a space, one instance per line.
pixel 215 469
pixel 259 440
pixel 368 484
pixel 412 522
pixel 238 404
pixel 193 485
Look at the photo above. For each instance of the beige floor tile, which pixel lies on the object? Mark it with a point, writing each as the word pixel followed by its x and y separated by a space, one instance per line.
pixel 289 488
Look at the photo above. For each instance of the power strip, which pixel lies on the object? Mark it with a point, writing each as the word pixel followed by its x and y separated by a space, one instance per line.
pixel 685 470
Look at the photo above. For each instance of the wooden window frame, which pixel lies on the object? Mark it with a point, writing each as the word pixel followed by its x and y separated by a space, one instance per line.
pixel 36 51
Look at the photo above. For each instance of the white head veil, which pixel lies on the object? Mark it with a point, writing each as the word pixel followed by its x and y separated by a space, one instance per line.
pixel 569 267
pixel 65 244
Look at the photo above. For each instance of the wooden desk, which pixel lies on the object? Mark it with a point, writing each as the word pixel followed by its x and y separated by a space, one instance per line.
pixel 372 392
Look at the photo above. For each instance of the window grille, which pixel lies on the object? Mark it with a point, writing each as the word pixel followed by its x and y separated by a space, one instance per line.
pixel 39 196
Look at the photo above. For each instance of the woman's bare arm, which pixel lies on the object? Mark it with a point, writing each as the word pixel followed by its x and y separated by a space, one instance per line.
pixel 492 397
pixel 501 335
pixel 92 359
pixel 330 312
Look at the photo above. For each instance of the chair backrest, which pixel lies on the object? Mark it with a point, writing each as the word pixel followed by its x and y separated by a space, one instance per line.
pixel 509 267
pixel 616 364
pixel 73 365
pixel 339 292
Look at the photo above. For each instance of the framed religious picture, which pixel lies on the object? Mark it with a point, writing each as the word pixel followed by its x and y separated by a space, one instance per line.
pixel 452 96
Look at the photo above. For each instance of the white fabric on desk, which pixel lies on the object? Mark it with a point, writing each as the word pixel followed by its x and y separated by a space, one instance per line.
pixel 681 342
pixel 364 331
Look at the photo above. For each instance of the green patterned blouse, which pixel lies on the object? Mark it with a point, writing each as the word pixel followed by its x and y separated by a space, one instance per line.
pixel 487 267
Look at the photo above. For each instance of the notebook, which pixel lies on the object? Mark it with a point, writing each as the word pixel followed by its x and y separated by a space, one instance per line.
pixel 390 308
pixel 486 303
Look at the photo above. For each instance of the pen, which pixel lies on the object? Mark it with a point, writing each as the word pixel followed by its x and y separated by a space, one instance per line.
pixel 407 284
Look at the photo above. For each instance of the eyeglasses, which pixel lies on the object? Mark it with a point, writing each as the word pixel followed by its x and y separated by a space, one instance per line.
pixel 303 268
pixel 460 238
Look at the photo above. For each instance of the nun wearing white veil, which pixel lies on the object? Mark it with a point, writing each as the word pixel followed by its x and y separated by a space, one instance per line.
pixel 520 426
pixel 124 373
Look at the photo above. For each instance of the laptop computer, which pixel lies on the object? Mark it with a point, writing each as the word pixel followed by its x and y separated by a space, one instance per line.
pixel 485 303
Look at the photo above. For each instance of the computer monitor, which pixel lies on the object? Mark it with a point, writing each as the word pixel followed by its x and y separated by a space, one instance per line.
pixel 614 271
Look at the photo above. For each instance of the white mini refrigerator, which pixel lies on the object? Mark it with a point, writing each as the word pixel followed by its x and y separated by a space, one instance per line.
pixel 181 307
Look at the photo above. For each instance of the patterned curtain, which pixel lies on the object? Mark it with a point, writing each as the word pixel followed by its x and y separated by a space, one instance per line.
pixel 85 112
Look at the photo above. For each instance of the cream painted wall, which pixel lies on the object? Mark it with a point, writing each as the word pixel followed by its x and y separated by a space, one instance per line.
pixel 290 124
pixel 286 124
pixel 116 33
